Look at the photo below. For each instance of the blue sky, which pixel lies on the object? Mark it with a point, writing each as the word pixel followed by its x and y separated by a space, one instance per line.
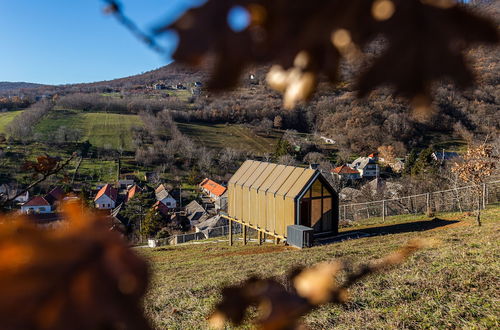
pixel 70 41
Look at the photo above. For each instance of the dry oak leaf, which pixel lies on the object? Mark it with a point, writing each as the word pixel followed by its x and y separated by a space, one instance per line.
pixel 77 276
pixel 425 39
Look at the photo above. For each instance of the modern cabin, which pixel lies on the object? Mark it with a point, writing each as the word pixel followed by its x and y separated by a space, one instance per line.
pixel 270 197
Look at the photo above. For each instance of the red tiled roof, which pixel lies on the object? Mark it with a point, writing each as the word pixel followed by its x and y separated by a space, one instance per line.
pixel 213 187
pixel 373 155
pixel 37 201
pixel 161 207
pixel 132 191
pixel 344 169
pixel 203 182
pixel 109 191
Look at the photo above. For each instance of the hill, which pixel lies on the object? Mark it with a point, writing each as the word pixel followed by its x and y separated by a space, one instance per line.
pixel 452 285
pixel 6 86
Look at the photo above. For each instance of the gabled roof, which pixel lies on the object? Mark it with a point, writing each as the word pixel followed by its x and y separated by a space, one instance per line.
pixel 132 191
pixel 162 194
pixel 280 180
pixel 109 191
pixel 162 208
pixel 37 201
pixel 56 194
pixel 344 169
pixel 160 188
pixel 213 187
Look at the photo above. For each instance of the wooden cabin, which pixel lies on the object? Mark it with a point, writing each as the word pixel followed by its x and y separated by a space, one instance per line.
pixel 270 197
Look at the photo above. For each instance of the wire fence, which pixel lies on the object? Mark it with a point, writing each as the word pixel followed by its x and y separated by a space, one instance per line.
pixel 460 199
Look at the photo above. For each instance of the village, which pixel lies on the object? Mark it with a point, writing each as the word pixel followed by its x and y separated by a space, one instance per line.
pixel 131 204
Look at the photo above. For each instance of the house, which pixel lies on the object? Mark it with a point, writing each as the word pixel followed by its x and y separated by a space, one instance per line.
pixel 195 212
pixel 55 196
pixel 327 140
pixel 132 191
pixel 212 227
pixel 212 189
pixel 106 198
pixel 366 166
pixel 221 202
pixel 126 181
pixel 7 191
pixel 37 204
pixel 443 156
pixel 345 172
pixel 162 208
pixel 162 195
pixel 159 86
pixel 271 197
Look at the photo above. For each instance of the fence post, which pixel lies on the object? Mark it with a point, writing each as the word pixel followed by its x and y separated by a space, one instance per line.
pixel 428 203
pixel 484 196
pixel 383 210
pixel 230 233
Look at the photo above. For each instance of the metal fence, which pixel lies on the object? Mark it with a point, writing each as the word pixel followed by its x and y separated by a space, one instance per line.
pixel 450 200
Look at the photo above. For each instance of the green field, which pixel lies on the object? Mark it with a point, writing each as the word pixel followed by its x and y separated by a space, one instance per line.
pixel 219 136
pixel 451 285
pixel 101 129
pixel 6 118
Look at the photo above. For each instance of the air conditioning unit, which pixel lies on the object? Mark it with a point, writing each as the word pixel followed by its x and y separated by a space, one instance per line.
pixel 299 236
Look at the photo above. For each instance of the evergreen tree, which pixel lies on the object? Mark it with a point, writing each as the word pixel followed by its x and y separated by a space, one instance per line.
pixel 425 163
pixel 152 223
pixel 137 207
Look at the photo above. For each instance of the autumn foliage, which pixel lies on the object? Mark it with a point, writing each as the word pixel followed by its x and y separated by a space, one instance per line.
pixel 79 275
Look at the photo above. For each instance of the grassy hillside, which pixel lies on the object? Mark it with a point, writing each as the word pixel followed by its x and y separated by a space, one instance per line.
pixel 453 285
pixel 101 129
pixel 220 136
pixel 6 118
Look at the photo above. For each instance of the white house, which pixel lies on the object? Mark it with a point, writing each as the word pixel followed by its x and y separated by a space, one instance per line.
pixel 37 205
pixel 163 196
pixel 327 140
pixel 366 166
pixel 106 198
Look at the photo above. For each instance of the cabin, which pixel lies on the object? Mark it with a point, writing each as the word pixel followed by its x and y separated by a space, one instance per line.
pixel 106 198
pixel 271 197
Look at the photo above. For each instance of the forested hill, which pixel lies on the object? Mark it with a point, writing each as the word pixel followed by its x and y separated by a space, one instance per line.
pixel 8 86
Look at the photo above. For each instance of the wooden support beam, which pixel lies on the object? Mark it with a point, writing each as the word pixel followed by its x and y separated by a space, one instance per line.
pixel 253 227
pixel 244 235
pixel 259 237
pixel 230 232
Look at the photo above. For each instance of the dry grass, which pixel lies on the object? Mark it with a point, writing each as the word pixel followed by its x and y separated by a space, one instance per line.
pixel 452 285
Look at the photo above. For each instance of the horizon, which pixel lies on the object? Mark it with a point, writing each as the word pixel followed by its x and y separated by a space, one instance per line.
pixel 92 47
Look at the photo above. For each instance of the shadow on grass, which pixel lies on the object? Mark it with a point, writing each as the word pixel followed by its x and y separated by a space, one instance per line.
pixel 389 229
